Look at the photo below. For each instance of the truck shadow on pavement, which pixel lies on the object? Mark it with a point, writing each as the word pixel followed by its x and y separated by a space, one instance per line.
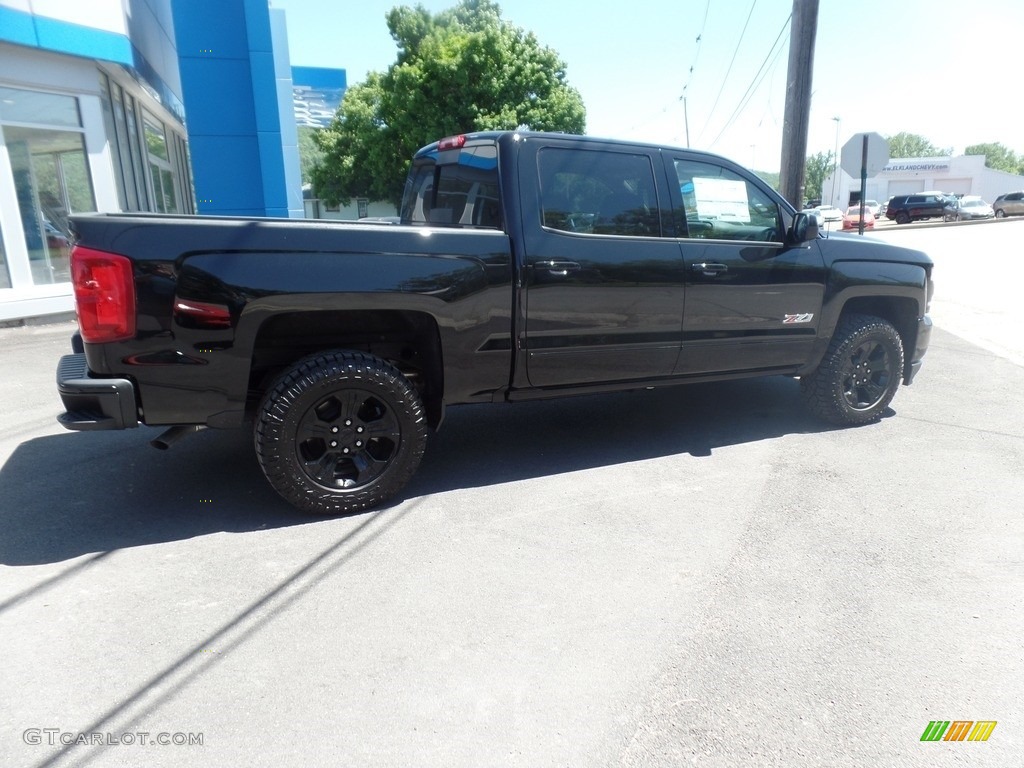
pixel 73 494
pixel 485 445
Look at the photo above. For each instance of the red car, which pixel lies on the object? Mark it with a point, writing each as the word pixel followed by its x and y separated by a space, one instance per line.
pixel 851 219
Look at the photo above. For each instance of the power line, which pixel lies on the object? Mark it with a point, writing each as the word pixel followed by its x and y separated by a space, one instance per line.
pixel 696 55
pixel 727 71
pixel 758 78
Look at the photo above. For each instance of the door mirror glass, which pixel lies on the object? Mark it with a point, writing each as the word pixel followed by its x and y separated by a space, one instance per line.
pixel 804 229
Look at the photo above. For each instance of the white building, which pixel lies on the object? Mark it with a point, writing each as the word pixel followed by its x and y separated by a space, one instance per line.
pixel 963 175
pixel 93 99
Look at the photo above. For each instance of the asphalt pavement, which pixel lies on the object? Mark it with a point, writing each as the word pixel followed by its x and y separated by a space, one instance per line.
pixel 693 576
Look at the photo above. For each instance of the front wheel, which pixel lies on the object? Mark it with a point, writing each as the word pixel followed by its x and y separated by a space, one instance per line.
pixel 859 374
pixel 1000 214
pixel 340 432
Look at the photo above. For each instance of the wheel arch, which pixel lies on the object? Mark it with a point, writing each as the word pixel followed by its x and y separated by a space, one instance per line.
pixel 900 311
pixel 410 340
pixel 897 293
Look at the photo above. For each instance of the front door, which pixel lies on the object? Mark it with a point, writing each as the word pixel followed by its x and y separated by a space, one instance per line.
pixel 753 303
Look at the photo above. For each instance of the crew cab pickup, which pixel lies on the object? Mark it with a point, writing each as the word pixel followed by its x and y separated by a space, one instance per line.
pixel 525 265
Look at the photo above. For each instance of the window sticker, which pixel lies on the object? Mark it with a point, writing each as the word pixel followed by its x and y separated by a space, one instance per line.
pixel 722 199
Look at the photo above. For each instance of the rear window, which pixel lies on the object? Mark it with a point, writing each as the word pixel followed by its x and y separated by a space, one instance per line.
pixel 455 188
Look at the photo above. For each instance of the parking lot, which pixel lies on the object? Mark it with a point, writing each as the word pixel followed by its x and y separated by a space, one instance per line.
pixel 700 575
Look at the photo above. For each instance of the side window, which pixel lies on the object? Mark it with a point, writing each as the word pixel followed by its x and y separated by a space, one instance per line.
pixel 597 192
pixel 719 204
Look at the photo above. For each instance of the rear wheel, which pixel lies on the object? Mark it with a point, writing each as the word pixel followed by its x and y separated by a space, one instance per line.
pixel 859 374
pixel 340 432
pixel 1000 214
pixel 902 217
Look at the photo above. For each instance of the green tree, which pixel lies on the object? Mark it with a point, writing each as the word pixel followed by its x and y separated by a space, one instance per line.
pixel 998 156
pixel 771 178
pixel 310 155
pixel 817 168
pixel 905 144
pixel 461 70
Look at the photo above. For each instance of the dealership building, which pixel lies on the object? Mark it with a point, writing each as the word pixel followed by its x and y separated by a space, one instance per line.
pixel 963 175
pixel 168 106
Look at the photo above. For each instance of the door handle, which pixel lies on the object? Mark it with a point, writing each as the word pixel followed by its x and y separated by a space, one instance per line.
pixel 709 269
pixel 555 267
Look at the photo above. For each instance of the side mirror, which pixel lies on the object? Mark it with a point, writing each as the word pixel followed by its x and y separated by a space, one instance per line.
pixel 804 229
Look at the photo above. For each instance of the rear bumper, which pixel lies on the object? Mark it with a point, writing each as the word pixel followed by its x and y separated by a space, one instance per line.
pixel 93 403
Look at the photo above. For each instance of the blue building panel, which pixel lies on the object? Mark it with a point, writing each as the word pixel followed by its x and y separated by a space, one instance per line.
pixel 218 96
pixel 274 188
pixel 232 107
pixel 227 174
pixel 320 77
pixel 64 37
pixel 264 92
pixel 257 26
pixel 17 27
pixel 199 30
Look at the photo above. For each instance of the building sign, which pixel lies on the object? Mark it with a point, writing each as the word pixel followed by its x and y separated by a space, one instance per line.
pixel 902 166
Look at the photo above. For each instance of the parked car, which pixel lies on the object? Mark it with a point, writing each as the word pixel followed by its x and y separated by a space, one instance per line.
pixel 907 208
pixel 817 216
pixel 1010 204
pixel 830 214
pixel 852 218
pixel 967 208
pixel 873 206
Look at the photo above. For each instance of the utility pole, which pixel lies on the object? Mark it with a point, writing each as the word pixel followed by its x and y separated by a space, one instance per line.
pixel 686 117
pixel 798 100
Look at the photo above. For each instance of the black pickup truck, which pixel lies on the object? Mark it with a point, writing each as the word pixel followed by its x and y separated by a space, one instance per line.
pixel 525 265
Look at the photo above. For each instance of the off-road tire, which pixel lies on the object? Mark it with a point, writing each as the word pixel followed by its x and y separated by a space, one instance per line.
pixel 859 375
pixel 340 432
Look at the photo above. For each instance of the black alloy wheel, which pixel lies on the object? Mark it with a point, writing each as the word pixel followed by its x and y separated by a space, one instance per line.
pixel 340 432
pixel 859 374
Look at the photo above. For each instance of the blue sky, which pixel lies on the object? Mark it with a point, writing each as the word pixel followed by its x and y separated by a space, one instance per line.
pixel 933 68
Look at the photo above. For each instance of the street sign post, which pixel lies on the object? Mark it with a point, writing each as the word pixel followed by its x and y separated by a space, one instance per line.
pixel 865 154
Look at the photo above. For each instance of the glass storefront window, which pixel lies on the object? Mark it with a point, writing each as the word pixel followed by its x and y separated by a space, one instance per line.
pixel 156 142
pixel 51 178
pixel 135 150
pixel 118 147
pixel 161 175
pixel 5 275
pixel 18 106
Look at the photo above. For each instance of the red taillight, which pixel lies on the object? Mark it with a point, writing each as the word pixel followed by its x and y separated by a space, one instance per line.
pixel 104 295
pixel 452 142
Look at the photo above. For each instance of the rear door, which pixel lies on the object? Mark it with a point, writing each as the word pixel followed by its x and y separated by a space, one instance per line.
pixel 603 282
pixel 753 303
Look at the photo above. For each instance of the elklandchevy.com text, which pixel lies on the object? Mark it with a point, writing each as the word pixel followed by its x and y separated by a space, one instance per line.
pixel 56 737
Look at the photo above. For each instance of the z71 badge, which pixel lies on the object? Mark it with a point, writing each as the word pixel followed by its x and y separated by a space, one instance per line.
pixel 803 317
